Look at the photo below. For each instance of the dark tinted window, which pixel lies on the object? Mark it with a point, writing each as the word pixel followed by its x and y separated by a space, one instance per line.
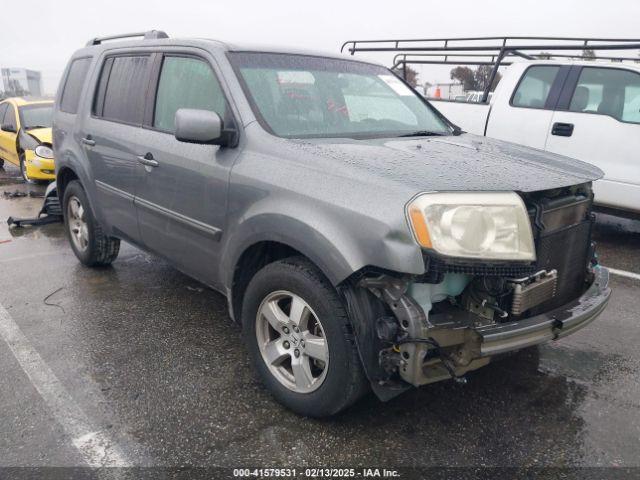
pixel 3 110
pixel 186 83
pixel 10 117
pixel 125 89
pixel 73 85
pixel 608 91
pixel 534 88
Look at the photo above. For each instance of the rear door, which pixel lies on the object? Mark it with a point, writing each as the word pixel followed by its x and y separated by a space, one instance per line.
pixel 111 137
pixel 523 108
pixel 182 197
pixel 8 135
pixel 598 121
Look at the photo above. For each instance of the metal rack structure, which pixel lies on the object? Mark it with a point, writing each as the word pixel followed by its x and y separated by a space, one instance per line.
pixel 492 51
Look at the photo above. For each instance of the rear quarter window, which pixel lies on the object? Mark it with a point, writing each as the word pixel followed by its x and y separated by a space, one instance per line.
pixel 73 84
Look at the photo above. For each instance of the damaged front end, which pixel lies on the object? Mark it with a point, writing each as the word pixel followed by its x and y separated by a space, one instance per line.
pixel 460 313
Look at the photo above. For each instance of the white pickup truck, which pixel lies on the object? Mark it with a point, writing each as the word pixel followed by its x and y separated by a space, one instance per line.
pixel 588 110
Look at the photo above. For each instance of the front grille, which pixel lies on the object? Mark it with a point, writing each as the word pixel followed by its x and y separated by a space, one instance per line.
pixel 567 251
pixel 505 269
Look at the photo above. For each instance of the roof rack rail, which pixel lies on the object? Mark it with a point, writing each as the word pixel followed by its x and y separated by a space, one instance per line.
pixel 148 35
pixel 490 50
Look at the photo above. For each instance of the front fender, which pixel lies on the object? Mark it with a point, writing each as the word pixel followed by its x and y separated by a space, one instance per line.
pixel 337 240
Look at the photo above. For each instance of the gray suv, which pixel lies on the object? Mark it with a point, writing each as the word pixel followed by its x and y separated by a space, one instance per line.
pixel 362 240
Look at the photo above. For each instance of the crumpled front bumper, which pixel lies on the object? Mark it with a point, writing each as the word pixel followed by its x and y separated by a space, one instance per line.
pixel 558 323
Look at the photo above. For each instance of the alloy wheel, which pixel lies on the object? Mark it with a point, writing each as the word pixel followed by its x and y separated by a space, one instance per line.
pixel 78 229
pixel 292 341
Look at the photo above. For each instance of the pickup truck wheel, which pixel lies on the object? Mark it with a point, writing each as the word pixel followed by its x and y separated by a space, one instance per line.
pixel 300 339
pixel 92 247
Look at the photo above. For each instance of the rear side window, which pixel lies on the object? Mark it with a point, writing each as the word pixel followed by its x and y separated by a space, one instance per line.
pixel 608 91
pixel 122 88
pixel 186 83
pixel 534 87
pixel 73 85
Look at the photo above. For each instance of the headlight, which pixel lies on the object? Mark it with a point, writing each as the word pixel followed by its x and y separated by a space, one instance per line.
pixel 487 226
pixel 44 151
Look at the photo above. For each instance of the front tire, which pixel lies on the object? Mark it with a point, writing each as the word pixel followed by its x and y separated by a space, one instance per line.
pixel 92 247
pixel 23 169
pixel 300 339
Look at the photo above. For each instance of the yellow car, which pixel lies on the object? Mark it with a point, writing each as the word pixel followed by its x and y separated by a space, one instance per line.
pixel 25 137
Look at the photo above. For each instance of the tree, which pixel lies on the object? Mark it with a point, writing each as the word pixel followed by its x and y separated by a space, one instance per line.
pixel 588 54
pixel 411 76
pixel 482 76
pixel 465 76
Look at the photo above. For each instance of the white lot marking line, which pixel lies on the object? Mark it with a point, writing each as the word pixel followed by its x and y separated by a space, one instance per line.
pixel 96 448
pixel 624 273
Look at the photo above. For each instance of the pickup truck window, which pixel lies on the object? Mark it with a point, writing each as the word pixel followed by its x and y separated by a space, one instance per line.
pixel 297 96
pixel 608 91
pixel 534 86
pixel 186 83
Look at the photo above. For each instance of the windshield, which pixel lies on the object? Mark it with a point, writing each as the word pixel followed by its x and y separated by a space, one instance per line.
pixel 298 96
pixel 36 116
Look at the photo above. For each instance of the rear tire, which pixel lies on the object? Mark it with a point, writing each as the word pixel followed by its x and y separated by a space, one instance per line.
pixel 92 247
pixel 327 387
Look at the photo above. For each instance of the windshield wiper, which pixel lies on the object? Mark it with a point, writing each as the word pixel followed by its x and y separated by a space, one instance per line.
pixel 31 127
pixel 422 133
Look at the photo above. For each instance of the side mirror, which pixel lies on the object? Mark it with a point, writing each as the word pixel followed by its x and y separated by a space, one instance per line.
pixel 8 128
pixel 199 126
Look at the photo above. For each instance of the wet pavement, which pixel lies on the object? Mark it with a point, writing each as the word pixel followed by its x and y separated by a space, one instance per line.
pixel 153 363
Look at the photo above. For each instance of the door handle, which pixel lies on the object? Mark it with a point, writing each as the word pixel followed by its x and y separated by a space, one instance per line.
pixel 147 160
pixel 562 129
pixel 88 141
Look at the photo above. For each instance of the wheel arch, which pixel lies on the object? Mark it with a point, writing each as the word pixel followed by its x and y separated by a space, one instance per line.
pixel 254 257
pixel 64 176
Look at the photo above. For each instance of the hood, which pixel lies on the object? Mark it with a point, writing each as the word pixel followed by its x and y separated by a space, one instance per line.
pixel 454 163
pixel 43 135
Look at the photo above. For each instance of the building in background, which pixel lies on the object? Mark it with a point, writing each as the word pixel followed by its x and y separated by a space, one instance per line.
pixel 21 81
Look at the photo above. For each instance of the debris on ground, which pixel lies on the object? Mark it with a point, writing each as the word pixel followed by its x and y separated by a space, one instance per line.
pixel 53 304
pixel 51 211
pixel 19 194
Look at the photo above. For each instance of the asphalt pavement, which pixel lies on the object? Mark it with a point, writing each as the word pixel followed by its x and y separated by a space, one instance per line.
pixel 139 365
